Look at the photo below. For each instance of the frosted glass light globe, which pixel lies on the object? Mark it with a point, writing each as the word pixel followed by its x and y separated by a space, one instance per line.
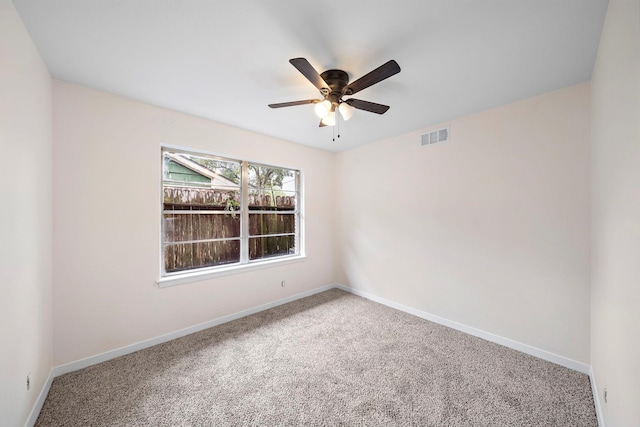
pixel 323 109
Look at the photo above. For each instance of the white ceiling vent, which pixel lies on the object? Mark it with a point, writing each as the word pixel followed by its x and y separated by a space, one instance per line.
pixel 435 137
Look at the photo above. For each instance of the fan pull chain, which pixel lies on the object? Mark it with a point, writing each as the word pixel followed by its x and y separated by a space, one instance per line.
pixel 338 122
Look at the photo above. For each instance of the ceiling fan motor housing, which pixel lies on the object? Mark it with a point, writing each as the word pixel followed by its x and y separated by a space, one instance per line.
pixel 337 80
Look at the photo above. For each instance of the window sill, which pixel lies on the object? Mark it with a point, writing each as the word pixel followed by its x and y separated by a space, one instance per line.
pixel 181 278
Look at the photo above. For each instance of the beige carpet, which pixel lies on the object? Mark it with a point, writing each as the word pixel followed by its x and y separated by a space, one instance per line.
pixel 330 359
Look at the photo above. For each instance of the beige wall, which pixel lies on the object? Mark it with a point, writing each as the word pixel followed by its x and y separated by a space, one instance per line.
pixel 490 230
pixel 107 173
pixel 25 220
pixel 615 334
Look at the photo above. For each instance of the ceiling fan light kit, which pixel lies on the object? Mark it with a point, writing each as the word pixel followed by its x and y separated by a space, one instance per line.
pixel 346 110
pixel 334 85
pixel 330 120
pixel 323 108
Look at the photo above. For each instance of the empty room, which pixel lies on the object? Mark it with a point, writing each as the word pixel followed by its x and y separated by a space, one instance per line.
pixel 410 213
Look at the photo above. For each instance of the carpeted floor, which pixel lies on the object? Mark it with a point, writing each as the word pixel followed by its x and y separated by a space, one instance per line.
pixel 330 359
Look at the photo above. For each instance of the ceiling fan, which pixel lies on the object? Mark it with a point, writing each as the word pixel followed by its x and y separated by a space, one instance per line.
pixel 334 85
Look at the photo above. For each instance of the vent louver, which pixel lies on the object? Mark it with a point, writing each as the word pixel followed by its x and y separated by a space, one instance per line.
pixel 435 137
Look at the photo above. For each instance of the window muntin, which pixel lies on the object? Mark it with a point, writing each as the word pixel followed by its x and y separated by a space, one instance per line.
pixel 219 212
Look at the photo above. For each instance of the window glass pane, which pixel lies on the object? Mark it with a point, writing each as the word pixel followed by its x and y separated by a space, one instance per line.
pixel 196 191
pixel 187 256
pixel 179 227
pixel 261 224
pixel 267 247
pixel 272 188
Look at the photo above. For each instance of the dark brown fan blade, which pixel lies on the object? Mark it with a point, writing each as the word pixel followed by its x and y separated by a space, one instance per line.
pixel 309 72
pixel 382 72
pixel 321 125
pixel 294 103
pixel 367 106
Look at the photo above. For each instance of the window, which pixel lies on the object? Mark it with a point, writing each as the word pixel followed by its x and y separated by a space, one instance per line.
pixel 220 212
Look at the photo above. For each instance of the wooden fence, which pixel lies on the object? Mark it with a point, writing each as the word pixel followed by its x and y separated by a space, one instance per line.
pixel 217 217
pixel 210 198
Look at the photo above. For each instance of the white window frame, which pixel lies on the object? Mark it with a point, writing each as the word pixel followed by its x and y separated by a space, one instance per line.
pixel 244 265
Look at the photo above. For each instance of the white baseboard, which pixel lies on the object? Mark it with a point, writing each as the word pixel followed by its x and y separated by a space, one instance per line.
pixel 596 398
pixel 37 407
pixel 112 354
pixel 525 348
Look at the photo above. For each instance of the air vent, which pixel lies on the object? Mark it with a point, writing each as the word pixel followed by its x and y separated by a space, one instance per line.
pixel 435 137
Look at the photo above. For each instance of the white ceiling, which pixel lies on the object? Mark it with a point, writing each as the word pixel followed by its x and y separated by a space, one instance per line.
pixel 226 60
